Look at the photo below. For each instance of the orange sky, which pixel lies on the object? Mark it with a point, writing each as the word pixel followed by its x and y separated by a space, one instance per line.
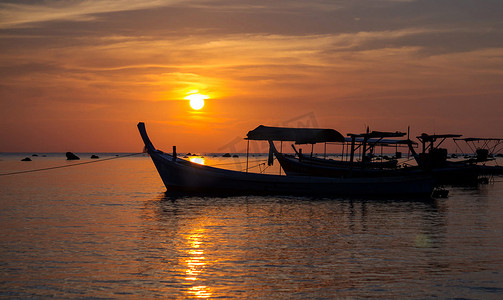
pixel 79 75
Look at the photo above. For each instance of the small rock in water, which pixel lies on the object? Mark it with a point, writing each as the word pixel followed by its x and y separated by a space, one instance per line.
pixel 94 156
pixel 71 156
pixel 226 155
pixel 34 155
pixel 26 159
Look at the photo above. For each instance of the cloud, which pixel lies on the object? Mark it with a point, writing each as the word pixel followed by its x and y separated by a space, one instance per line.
pixel 20 15
pixel 257 59
pixel 246 64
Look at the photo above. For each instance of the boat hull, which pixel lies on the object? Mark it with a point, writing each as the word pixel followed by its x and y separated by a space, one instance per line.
pixel 462 174
pixel 294 166
pixel 180 175
pixel 331 168
pixel 450 175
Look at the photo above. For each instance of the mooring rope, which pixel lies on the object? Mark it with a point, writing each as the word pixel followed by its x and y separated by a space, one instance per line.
pixel 252 167
pixel 233 163
pixel 72 165
pixel 96 161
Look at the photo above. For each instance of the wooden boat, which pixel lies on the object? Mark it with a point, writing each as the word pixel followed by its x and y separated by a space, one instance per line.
pixel 312 166
pixel 366 157
pixel 182 175
pixel 367 164
pixel 433 159
pixel 306 165
pixel 484 150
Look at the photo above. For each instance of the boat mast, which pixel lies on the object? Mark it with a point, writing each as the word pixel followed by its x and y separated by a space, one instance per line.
pixel 247 151
pixel 352 153
pixel 364 150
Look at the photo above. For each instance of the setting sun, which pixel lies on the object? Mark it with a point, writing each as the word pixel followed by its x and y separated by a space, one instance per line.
pixel 196 100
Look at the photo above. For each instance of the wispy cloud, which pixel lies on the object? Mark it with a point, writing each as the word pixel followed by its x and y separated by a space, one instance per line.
pixel 19 15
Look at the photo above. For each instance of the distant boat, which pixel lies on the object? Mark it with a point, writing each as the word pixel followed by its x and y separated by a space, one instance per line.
pixel 312 166
pixel 184 176
pixel 485 150
pixel 365 167
pixel 470 171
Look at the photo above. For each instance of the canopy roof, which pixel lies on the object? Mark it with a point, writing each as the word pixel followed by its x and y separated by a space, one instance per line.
pixel 377 134
pixel 297 135
pixel 433 137
pixel 382 141
pixel 478 139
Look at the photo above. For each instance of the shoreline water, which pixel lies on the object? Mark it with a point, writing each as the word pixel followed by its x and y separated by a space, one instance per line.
pixel 109 230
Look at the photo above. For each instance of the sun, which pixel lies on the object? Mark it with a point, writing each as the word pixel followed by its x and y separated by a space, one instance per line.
pixel 196 100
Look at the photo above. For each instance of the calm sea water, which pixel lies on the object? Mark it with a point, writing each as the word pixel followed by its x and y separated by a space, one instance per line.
pixel 109 230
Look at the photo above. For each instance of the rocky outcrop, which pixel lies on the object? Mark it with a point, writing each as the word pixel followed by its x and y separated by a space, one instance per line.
pixel 71 156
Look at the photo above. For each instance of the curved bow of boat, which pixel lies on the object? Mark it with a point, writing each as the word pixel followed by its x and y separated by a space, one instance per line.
pixel 144 136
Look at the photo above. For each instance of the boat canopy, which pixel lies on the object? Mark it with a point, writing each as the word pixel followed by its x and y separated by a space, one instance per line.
pixel 383 142
pixel 377 134
pixel 478 139
pixel 297 135
pixel 433 137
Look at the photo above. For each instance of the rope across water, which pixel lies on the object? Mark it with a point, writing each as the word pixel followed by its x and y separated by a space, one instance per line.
pixel 91 162
pixel 72 165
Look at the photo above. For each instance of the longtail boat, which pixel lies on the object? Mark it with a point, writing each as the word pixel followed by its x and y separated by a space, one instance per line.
pixel 180 175
pixel 434 159
pixel 314 166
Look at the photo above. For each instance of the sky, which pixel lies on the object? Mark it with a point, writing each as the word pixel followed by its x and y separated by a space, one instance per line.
pixel 79 75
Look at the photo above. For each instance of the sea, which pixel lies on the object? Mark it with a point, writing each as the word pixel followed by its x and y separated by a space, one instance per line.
pixel 107 228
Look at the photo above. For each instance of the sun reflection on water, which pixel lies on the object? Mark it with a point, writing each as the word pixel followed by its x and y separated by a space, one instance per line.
pixel 200 291
pixel 195 266
pixel 197 160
